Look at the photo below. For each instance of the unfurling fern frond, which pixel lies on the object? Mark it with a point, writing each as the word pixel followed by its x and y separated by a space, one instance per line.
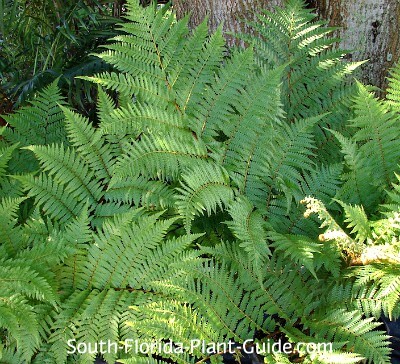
pixel 333 231
pixel 375 248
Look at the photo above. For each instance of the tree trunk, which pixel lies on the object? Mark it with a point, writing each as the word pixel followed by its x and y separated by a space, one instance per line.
pixel 230 12
pixel 369 29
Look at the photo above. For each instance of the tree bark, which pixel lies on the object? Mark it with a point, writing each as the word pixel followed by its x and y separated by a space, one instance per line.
pixel 369 29
pixel 230 12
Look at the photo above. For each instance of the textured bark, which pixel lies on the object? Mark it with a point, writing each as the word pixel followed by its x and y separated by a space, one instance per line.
pixel 369 29
pixel 227 11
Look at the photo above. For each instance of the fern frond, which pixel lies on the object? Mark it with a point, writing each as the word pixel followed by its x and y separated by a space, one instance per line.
pixel 378 289
pixel 5 156
pixel 105 105
pixel 78 235
pixel 47 196
pixel 356 332
pixel 277 167
pixel 194 80
pixel 187 55
pixel 249 227
pixel 323 183
pixel 236 318
pixel 144 89
pixel 172 320
pixel 137 246
pixel 357 187
pixel 14 277
pixel 392 91
pixel 137 118
pixel 214 110
pixel 151 39
pixel 315 79
pixel 203 188
pixel 333 230
pixel 28 288
pixel 141 192
pixel 17 316
pixel 253 127
pixel 88 142
pixel 89 316
pixel 377 132
pixel 182 200
pixel 300 249
pixel 158 156
pixel 357 221
pixel 41 122
pixel 66 169
pixel 11 235
pixel 393 202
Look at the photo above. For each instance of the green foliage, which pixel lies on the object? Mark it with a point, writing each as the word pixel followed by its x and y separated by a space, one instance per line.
pixel 50 40
pixel 179 213
pixel 314 80
pixel 39 123
pixel 370 154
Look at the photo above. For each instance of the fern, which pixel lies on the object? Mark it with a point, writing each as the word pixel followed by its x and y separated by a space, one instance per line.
pixel 215 292
pixel 277 167
pixel 371 152
pixel 250 229
pixel 178 212
pixel 203 189
pixel 393 88
pixel 28 285
pixel 377 134
pixel 315 80
pixel 159 156
pixel 39 123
